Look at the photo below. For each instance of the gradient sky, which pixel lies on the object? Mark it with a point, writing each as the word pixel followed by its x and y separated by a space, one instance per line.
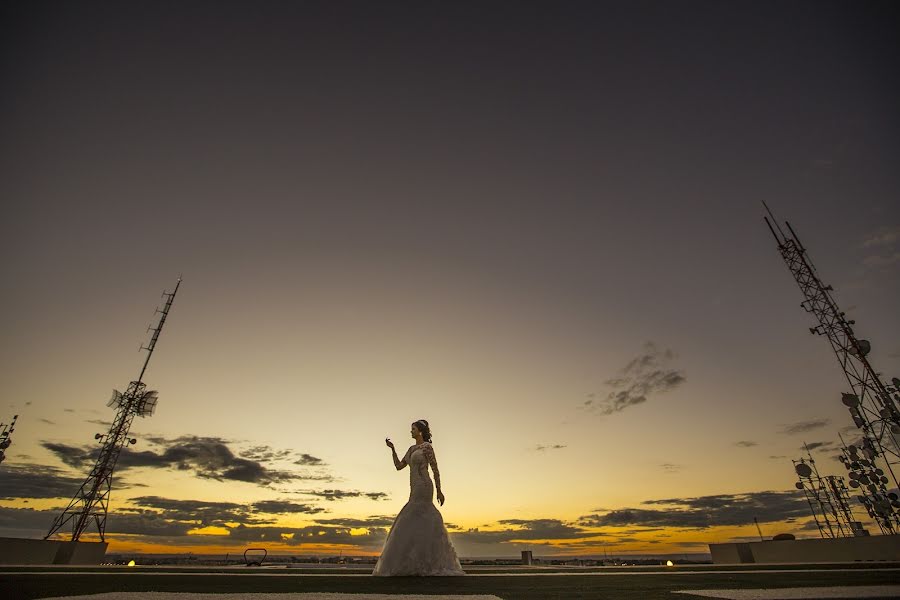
pixel 496 216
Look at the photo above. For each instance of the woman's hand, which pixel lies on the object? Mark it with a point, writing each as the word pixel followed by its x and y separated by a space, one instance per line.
pixel 389 443
pixel 440 497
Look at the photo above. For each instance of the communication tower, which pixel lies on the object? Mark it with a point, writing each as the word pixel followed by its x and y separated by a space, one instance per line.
pixel 91 502
pixel 829 500
pixel 870 483
pixel 874 406
pixel 5 440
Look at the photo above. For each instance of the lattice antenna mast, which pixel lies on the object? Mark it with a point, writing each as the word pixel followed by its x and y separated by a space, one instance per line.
pixel 828 500
pixel 871 484
pixel 5 440
pixel 91 502
pixel 873 406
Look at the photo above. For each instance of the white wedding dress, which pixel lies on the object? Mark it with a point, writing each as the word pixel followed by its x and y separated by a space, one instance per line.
pixel 417 543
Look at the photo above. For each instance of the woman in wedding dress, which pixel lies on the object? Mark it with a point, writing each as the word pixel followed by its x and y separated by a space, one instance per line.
pixel 417 543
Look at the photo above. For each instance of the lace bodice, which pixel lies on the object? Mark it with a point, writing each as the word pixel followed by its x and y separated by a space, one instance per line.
pixel 419 457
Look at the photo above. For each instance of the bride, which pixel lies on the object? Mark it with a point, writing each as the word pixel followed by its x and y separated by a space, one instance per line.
pixel 417 543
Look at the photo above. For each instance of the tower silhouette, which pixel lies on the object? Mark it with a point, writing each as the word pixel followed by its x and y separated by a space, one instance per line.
pixel 91 502
pixel 874 406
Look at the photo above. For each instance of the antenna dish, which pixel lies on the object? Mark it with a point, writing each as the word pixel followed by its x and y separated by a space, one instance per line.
pixel 115 400
pixel 803 470
pixel 850 400
pixel 798 485
pixel 863 347
pixel 147 405
pixel 896 382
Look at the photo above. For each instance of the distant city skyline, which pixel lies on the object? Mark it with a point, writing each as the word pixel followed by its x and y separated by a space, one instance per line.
pixel 538 227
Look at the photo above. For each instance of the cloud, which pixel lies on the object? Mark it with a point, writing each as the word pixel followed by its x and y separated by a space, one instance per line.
pixel 264 453
pixel 877 261
pixel 309 460
pixel 78 458
pixel 542 447
pixel 670 467
pixel 331 495
pixel 313 534
pixel 706 511
pixel 47 421
pixel 36 481
pixel 285 507
pixel 819 445
pixel 643 376
pixel 804 426
pixel 376 521
pixel 525 529
pixel 883 237
pixel 206 457
pixel 27 519
pixel 194 512
pixel 884 244
pixel 746 444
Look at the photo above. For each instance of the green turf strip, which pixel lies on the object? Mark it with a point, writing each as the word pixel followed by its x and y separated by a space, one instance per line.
pixel 624 586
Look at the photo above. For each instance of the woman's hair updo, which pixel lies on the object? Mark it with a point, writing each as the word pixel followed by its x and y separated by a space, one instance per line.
pixel 422 426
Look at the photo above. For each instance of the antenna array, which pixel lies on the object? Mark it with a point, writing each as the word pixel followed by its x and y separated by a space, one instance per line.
pixel 829 500
pixel 870 483
pixel 5 440
pixel 91 502
pixel 874 406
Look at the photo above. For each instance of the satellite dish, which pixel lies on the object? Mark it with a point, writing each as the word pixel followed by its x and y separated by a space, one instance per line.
pixel 854 483
pixel 147 405
pixel 852 449
pixel 895 428
pixel 854 475
pixel 851 400
pixel 863 347
pixel 116 399
pixel 884 480
pixel 864 462
pixel 896 382
pixel 798 485
pixel 879 472
pixel 803 470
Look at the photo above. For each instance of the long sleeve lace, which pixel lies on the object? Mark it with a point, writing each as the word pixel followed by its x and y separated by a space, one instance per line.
pixel 432 460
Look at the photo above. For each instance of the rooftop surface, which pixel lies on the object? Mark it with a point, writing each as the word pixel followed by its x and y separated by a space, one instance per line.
pixel 872 580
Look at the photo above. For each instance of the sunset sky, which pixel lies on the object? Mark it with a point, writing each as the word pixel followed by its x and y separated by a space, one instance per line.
pixel 536 225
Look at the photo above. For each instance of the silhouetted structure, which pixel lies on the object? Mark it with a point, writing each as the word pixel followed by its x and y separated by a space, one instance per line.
pixel 5 440
pixel 91 502
pixel 873 406
pixel 828 500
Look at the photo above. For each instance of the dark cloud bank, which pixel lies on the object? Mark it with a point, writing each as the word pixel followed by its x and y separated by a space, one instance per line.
pixel 645 375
